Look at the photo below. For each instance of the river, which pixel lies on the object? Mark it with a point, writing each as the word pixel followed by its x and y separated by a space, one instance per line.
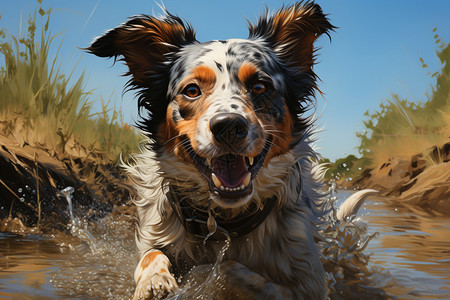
pixel 410 256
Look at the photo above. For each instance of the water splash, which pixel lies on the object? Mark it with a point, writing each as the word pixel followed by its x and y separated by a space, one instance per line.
pixel 105 274
pixel 205 281
pixel 347 266
pixel 67 192
pixel 333 193
pixel 77 227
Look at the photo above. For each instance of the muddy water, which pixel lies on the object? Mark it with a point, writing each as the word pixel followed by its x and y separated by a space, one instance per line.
pixel 411 255
pixel 68 267
pixel 413 246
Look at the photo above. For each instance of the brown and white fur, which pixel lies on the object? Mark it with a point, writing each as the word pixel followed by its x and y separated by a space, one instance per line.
pixel 226 128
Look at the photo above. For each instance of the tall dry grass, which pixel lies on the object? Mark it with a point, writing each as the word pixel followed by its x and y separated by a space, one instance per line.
pixel 39 105
pixel 404 128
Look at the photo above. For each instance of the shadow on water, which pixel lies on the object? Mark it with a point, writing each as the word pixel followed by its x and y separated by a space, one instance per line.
pixel 409 258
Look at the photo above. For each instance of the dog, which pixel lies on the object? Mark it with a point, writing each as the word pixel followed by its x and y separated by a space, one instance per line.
pixel 228 152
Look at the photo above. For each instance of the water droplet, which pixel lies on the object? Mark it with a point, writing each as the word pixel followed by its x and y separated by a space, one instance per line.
pixel 22 199
pixel 27 187
pixel 20 190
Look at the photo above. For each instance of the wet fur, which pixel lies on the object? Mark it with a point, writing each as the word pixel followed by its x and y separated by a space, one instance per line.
pixel 280 258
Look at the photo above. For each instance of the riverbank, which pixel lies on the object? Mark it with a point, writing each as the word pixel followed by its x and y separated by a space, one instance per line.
pixel 422 179
pixel 32 176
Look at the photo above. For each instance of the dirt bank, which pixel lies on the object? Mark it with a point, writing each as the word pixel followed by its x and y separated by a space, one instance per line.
pixel 31 178
pixel 422 179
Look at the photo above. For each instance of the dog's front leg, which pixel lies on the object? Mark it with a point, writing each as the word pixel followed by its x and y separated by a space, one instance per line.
pixel 246 284
pixel 153 277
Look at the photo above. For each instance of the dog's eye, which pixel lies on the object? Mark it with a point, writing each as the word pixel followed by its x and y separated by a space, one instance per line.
pixel 192 91
pixel 259 88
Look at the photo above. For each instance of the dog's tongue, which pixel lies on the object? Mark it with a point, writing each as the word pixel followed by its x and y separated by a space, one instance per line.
pixel 230 169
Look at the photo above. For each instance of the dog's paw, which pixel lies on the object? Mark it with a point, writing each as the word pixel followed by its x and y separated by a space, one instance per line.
pixel 156 286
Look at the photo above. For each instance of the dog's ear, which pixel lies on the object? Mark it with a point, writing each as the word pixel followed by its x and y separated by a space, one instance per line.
pixel 144 42
pixel 291 32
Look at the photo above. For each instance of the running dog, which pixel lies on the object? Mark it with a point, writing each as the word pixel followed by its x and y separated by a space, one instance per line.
pixel 228 152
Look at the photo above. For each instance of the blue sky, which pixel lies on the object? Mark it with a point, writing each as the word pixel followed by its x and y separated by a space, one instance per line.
pixel 374 52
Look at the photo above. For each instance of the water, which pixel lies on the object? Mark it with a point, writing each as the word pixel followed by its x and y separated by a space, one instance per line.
pixel 205 282
pixel 27 265
pixel 409 259
pixel 96 260
pixel 414 246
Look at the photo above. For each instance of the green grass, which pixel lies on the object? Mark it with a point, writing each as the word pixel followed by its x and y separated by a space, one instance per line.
pixel 348 167
pixel 39 105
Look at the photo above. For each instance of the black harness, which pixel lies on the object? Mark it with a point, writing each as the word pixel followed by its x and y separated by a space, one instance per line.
pixel 194 220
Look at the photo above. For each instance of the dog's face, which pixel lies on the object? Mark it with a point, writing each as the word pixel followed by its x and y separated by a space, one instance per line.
pixel 226 107
pixel 226 114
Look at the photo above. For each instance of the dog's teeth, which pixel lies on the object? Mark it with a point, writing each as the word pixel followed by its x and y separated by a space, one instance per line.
pixel 250 160
pixel 216 181
pixel 246 181
pixel 208 161
pixel 222 187
pixel 242 186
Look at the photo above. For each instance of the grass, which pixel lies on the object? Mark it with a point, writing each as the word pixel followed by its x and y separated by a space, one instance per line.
pixel 54 138
pixel 39 105
pixel 402 128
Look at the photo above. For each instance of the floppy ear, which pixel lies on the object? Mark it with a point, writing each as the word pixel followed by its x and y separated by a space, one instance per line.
pixel 291 32
pixel 144 41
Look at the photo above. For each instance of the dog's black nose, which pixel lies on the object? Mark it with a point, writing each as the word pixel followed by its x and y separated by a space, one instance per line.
pixel 229 128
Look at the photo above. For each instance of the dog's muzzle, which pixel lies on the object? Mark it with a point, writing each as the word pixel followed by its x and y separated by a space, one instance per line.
pixel 230 174
pixel 229 129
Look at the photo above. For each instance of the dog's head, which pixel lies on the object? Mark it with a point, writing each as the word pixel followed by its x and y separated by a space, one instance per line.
pixel 222 109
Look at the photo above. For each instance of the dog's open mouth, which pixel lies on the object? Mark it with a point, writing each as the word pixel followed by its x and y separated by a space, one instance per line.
pixel 230 176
